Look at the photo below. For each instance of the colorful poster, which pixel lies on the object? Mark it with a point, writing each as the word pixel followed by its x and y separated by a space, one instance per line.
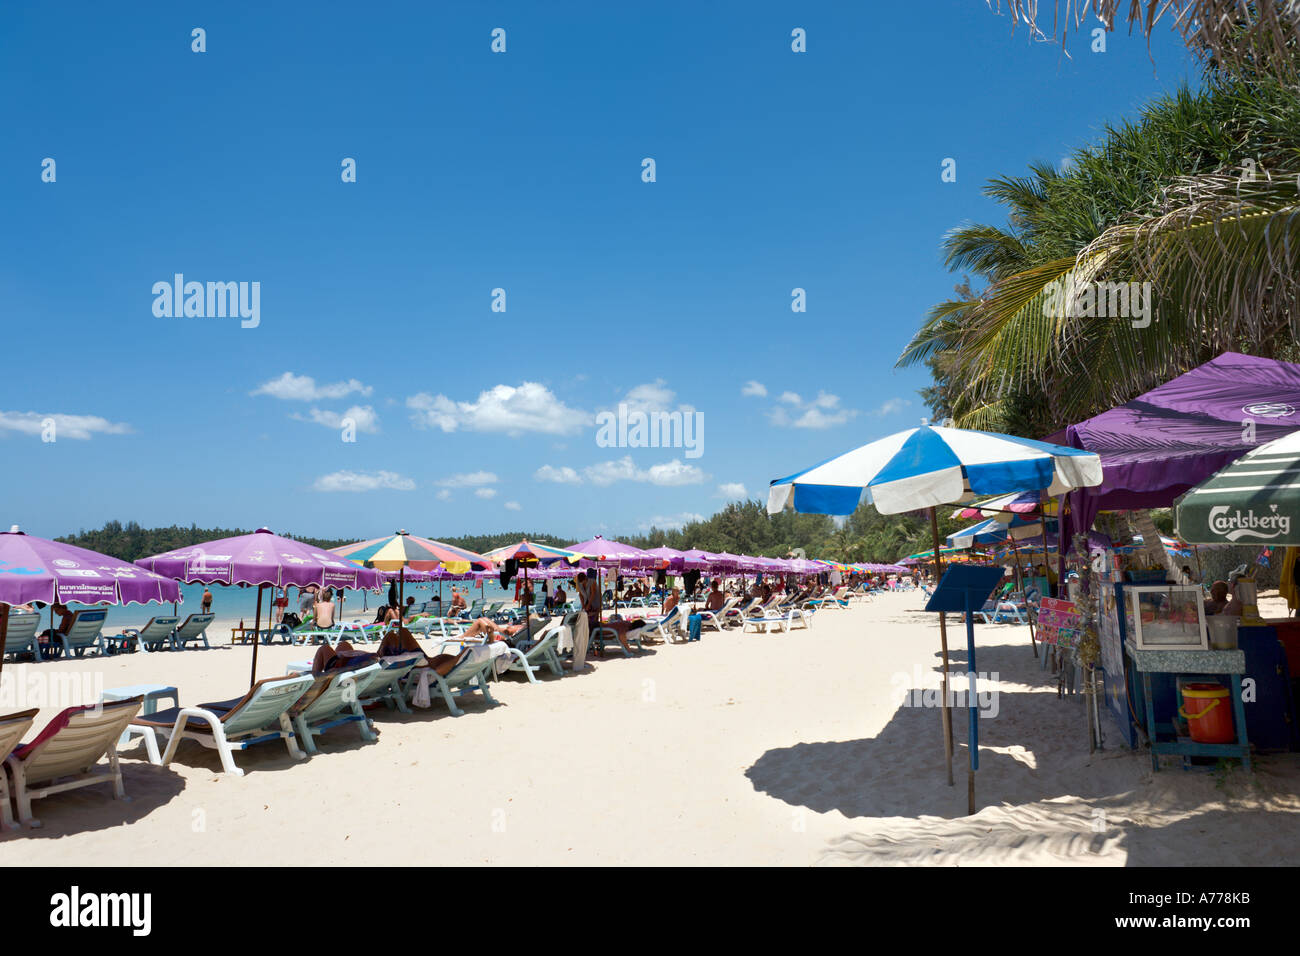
pixel 1059 622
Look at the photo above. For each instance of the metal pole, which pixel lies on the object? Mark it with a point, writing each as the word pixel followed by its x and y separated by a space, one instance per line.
pixel 4 632
pixel 943 638
pixel 257 637
pixel 1032 640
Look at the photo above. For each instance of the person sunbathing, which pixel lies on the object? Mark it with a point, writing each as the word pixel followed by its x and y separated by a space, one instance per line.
pixel 340 657
pixel 486 627
pixel 716 598
pixel 398 641
pixel 457 604
pixel 622 628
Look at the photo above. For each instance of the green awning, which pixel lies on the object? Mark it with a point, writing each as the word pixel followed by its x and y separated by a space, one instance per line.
pixel 1255 500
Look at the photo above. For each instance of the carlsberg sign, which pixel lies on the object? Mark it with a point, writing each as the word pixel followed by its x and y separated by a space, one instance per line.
pixel 1234 524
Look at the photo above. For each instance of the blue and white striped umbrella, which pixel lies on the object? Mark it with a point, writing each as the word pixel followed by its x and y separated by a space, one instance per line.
pixel 993 531
pixel 933 465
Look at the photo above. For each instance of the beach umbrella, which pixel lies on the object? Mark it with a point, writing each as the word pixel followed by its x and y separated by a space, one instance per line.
pixel 261 560
pixel 1254 500
pixel 927 466
pixel 52 572
pixel 402 550
pixel 530 554
pixel 606 553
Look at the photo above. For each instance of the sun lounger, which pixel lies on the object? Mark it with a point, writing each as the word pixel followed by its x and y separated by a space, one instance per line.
pixel 193 628
pixel 334 700
pixel 469 674
pixel 85 632
pixel 781 620
pixel 530 659
pixel 716 619
pixel 12 729
pixel 20 635
pixel 602 635
pixel 154 636
pixel 63 756
pixel 669 626
pixel 388 684
pixel 237 724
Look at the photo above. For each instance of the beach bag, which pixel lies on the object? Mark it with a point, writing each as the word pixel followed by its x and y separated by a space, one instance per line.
pixel 292 620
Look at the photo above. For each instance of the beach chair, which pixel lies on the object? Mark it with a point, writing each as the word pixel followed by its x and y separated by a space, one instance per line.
pixel 63 756
pixel 12 729
pixel 388 685
pixel 154 636
pixel 669 627
pixel 529 660
pixel 20 635
pixel 268 635
pixel 332 701
pixel 716 618
pixel 600 636
pixel 193 628
pixel 227 726
pixel 85 632
pixel 469 674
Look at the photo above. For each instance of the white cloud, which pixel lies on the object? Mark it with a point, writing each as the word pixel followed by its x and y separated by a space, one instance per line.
pixel 652 397
pixel 80 427
pixel 469 480
pixel 754 389
pixel 485 492
pixel 824 411
pixel 670 521
pixel 303 388
pixel 504 408
pixel 563 475
pixel 733 490
pixel 514 506
pixel 890 406
pixel 362 416
pixel 363 481
pixel 443 495
pixel 666 474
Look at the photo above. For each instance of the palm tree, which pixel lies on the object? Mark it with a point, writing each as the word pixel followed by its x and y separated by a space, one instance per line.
pixel 1191 198
pixel 1239 36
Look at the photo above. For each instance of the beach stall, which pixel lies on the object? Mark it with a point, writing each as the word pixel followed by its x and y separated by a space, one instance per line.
pixel 925 467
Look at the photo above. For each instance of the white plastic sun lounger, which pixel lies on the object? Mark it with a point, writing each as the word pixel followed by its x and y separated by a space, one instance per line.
pixel 20 636
pixel 468 675
pixel 238 724
pixel 85 632
pixel 716 619
pixel 63 756
pixel 193 628
pixel 529 660
pixel 12 729
pixel 332 701
pixel 154 636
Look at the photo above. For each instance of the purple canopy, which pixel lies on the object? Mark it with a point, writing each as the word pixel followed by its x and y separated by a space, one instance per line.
pixel 262 558
pixel 681 560
pixel 36 569
pixel 610 554
pixel 1162 443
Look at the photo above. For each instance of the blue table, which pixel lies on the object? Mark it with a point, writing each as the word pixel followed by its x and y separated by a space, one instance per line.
pixel 1162 737
pixel 152 693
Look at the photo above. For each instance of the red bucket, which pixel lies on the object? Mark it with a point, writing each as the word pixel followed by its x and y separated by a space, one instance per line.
pixel 1206 708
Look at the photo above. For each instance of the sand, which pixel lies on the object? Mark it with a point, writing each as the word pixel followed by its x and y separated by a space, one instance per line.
pixel 743 749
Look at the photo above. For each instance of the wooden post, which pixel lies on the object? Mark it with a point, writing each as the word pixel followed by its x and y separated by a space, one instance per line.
pixel 943 639
pixel 4 632
pixel 1032 640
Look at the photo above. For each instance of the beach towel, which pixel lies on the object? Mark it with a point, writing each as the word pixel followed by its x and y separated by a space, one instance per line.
pixel 693 627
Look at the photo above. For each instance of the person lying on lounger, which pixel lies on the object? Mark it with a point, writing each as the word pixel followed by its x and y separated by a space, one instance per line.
pixel 486 627
pixel 621 628
pixel 340 657
pixel 398 641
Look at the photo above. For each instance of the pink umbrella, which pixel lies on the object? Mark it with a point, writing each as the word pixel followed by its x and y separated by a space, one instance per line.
pixel 37 569
pixel 261 560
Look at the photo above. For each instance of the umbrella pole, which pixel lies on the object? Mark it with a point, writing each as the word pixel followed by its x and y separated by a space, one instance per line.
pixel 257 636
pixel 943 638
pixel 4 633
pixel 528 610
pixel 1032 641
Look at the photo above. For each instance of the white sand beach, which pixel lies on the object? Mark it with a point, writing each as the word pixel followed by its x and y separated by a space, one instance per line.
pixel 744 749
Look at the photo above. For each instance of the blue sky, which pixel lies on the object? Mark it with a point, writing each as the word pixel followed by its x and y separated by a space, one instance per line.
pixel 477 171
